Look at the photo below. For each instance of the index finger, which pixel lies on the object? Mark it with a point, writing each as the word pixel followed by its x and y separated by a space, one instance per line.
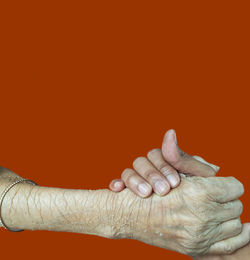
pixel 225 189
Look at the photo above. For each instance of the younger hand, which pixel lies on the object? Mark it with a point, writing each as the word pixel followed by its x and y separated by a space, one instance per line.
pixel 159 171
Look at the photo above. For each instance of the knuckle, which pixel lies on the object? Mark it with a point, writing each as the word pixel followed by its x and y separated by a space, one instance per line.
pixel 128 180
pixel 138 160
pixel 204 218
pixel 198 230
pixel 207 190
pixel 153 151
pixel 241 188
pixel 240 205
pixel 238 225
pixel 166 169
pixel 126 174
pixel 238 183
pixel 228 249
pixel 203 188
pixel 234 206
pixel 237 206
pixel 205 193
pixel 151 174
pixel 203 214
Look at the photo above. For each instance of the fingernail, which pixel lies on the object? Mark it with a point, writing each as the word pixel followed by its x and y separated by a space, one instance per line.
pixel 143 188
pixel 175 138
pixel 117 185
pixel 174 135
pixel 173 180
pixel 215 167
pixel 161 187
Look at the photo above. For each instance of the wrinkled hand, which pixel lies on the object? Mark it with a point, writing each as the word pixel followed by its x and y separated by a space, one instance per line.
pixel 240 254
pixel 164 165
pixel 192 218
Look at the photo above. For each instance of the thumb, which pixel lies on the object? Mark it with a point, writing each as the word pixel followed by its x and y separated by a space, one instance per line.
pixel 215 167
pixel 183 162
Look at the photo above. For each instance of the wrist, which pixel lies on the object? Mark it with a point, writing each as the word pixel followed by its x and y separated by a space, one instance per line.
pixel 130 213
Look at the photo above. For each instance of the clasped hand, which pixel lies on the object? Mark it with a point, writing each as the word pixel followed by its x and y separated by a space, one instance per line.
pixel 197 216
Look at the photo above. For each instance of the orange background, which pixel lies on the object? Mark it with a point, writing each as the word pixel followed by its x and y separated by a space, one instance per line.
pixel 88 86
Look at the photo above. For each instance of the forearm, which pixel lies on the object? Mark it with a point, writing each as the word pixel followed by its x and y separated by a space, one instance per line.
pixel 43 208
pixel 99 212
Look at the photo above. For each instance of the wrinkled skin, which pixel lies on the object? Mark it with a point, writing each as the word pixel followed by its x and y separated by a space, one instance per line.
pixel 189 219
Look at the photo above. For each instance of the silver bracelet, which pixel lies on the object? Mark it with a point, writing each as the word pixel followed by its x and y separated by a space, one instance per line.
pixel 1 202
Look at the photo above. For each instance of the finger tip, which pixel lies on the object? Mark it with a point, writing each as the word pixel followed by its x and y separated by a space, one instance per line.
pixel 145 192
pixel 169 132
pixel 175 185
pixel 119 185
pixel 116 185
pixel 173 179
pixel 164 193
pixel 214 167
pixel 146 195
pixel 217 168
pixel 172 131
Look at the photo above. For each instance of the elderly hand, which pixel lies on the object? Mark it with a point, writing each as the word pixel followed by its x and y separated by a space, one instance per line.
pixel 160 164
pixel 240 254
pixel 192 219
